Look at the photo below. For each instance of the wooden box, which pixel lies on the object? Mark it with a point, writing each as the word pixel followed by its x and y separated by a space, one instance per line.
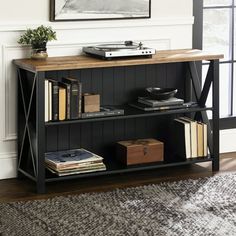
pixel 140 151
pixel 91 102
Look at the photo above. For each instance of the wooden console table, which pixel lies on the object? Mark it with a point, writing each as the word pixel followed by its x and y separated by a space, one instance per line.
pixel 118 82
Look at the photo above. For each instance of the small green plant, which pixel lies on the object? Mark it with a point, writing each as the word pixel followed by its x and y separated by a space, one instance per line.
pixel 38 37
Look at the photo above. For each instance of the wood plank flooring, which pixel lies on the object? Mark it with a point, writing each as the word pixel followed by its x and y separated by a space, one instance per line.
pixel 15 190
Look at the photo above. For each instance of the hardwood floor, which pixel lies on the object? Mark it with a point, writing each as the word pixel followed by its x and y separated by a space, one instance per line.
pixel 15 190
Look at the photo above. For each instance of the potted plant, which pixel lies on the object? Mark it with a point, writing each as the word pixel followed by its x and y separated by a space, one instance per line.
pixel 38 39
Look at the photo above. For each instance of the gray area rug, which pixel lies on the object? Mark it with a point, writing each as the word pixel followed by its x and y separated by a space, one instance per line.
pixel 204 207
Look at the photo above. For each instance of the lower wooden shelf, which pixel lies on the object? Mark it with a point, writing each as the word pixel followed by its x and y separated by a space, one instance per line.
pixel 116 168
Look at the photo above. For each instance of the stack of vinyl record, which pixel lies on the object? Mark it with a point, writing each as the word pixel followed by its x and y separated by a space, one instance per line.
pixel 75 161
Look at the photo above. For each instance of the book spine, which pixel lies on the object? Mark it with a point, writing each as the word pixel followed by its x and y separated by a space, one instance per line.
pixel 80 100
pixel 101 114
pixel 55 101
pixel 74 99
pixel 68 88
pixel 62 103
pixel 50 100
pixel 46 105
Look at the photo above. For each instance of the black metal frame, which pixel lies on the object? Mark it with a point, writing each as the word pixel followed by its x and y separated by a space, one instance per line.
pixel 31 125
pixel 198 8
pixel 53 18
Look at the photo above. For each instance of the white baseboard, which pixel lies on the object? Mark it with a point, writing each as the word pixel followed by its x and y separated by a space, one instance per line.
pixel 8 165
pixel 228 140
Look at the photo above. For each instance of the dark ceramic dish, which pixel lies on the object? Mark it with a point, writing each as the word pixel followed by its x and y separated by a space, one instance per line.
pixel 161 93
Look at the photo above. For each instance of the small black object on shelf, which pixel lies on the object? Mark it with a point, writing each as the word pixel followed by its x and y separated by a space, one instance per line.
pixel 161 93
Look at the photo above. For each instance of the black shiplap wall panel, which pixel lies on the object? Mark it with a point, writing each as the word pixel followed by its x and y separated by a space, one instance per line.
pixel 116 86
pixel 141 128
pixel 97 82
pixel 51 139
pixel 130 129
pixel 108 86
pixel 119 130
pixel 97 137
pixel 175 77
pixel 76 74
pixel 161 76
pixel 75 136
pixel 151 77
pixel 86 136
pixel 64 137
pixel 129 83
pixel 108 137
pixel 140 80
pixel 86 80
pixel 119 85
pixel 63 74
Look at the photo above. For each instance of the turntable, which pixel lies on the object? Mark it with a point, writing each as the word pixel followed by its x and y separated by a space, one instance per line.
pixel 126 49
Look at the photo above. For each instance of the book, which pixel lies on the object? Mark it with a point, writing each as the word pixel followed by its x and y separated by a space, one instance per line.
pixel 193 135
pixel 55 99
pixel 49 100
pixel 62 101
pixel 104 111
pixel 182 142
pixel 145 107
pixel 46 101
pixel 159 103
pixel 200 130
pixel 74 97
pixel 205 147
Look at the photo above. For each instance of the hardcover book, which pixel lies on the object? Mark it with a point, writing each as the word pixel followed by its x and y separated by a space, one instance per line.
pixel 62 101
pixel 55 99
pixel 182 141
pixel 73 97
pixel 193 135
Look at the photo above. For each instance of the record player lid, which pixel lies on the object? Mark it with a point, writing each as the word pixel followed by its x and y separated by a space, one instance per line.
pixel 125 45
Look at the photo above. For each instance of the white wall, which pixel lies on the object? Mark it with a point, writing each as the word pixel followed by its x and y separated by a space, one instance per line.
pixel 169 28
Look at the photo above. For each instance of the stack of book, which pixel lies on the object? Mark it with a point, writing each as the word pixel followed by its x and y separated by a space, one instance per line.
pixel 62 99
pixel 148 104
pixel 190 138
pixel 72 162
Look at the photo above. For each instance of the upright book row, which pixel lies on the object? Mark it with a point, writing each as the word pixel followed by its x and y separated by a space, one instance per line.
pixel 190 138
pixel 62 99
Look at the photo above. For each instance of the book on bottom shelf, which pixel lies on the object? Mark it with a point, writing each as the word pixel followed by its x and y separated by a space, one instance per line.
pixel 190 138
pixel 74 161
pixel 181 135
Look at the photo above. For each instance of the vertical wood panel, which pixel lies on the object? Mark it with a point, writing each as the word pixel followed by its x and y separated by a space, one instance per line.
pixel 86 136
pixel 97 82
pixel 97 137
pixel 129 83
pixel 119 85
pixel 161 76
pixel 151 78
pixel 63 137
pixel 108 86
pixel 86 77
pixel 51 138
pixel 75 136
pixel 140 78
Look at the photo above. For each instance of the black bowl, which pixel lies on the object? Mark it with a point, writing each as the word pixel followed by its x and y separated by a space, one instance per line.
pixel 161 93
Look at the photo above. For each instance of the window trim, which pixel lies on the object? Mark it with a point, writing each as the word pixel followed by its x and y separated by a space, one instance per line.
pixel 197 42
